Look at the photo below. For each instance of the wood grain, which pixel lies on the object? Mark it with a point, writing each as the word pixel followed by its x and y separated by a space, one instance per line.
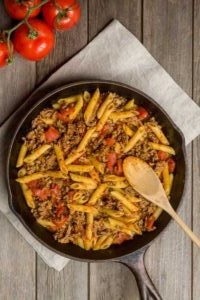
pixel 70 284
pixel 111 280
pixel 167 34
pixel 17 261
pixel 196 154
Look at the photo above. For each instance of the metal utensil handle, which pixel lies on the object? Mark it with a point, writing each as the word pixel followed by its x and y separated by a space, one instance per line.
pixel 135 263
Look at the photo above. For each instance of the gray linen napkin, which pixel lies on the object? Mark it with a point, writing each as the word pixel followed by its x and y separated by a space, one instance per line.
pixel 115 54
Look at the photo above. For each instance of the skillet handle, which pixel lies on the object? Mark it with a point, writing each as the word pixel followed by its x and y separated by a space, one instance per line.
pixel 135 263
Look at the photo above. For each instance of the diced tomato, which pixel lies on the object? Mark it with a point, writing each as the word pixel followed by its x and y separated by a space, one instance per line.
pixel 60 209
pixel 33 184
pixel 51 134
pixel 162 155
pixel 122 237
pixel 63 115
pixel 143 113
pixel 71 195
pixel 111 161
pixel 42 193
pixel 104 130
pixel 119 168
pixel 171 164
pixel 55 188
pixel 61 222
pixel 150 223
pixel 110 141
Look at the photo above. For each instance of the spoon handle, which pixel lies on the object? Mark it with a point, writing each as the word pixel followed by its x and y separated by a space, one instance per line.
pixel 187 230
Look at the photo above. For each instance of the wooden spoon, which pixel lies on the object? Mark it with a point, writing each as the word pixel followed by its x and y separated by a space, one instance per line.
pixel 144 180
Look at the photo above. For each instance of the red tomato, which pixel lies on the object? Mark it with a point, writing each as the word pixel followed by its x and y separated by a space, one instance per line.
pixel 162 155
pixel 61 14
pixel 4 53
pixel 34 45
pixel 33 184
pixel 60 209
pixel 55 188
pixel 122 237
pixel 104 130
pixel 110 141
pixel 143 113
pixel 112 159
pixel 61 222
pixel 150 223
pixel 63 115
pixel 71 195
pixel 18 9
pixel 51 134
pixel 42 193
pixel 171 164
pixel 119 168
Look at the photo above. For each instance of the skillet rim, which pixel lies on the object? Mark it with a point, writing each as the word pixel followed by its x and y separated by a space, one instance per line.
pixel 34 106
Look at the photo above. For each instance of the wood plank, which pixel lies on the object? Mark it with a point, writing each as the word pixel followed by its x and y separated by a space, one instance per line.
pixel 16 80
pixel 17 261
pixel 111 280
pixel 72 282
pixel 167 34
pixel 196 154
pixel 17 258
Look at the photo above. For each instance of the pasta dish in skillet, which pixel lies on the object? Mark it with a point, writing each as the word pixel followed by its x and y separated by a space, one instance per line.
pixel 70 168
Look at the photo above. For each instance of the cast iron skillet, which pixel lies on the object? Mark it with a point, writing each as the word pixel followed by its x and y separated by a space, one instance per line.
pixel 130 253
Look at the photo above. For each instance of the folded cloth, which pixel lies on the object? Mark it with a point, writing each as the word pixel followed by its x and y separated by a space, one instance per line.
pixel 115 54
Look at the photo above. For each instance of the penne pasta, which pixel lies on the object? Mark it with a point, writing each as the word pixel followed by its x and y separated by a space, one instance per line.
pixel 100 241
pixel 89 113
pixel 113 178
pixel 56 174
pixel 95 175
pixel 80 242
pixel 37 153
pixel 117 185
pixel 89 225
pixel 27 195
pixel 21 156
pixel 73 157
pixel 159 133
pixel 45 223
pixel 82 186
pixel 163 148
pixel 105 244
pixel 97 194
pixel 111 212
pixel 34 176
pixel 120 115
pixel 87 244
pixel 104 105
pixel 86 139
pixel 105 117
pixel 60 158
pixel 83 179
pixel 135 138
pixel 166 179
pixel 83 208
pixel 68 100
pixel 48 121
pixel 128 130
pixel 80 168
pixel 86 96
pixel 98 166
pixel 77 108
pixel 130 104
pixel 127 203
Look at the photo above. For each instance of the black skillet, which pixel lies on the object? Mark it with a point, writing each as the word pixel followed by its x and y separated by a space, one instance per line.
pixel 130 253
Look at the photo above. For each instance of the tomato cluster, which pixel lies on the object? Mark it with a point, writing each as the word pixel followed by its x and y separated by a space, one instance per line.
pixel 33 37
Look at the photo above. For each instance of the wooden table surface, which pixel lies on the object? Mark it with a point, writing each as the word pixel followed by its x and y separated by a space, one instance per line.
pixel 170 29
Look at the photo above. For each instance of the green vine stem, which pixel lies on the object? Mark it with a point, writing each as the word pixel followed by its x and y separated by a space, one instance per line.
pixel 32 32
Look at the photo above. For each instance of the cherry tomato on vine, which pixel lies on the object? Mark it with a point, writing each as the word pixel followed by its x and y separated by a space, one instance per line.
pixel 17 9
pixel 4 53
pixel 61 14
pixel 34 44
